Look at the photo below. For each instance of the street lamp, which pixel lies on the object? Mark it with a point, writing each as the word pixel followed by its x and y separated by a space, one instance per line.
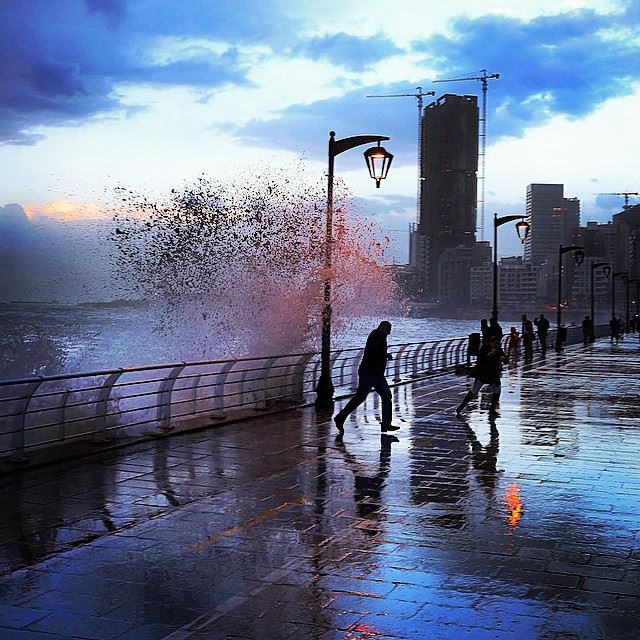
pixel 606 268
pixel 616 274
pixel 578 255
pixel 378 161
pixel 522 229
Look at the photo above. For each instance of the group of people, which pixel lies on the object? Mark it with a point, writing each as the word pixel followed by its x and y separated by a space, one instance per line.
pixel 491 356
pixel 371 372
pixel 526 336
pixel 488 369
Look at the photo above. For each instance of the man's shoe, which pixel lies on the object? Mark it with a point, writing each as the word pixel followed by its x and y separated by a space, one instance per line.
pixel 387 438
pixel 339 424
pixel 389 427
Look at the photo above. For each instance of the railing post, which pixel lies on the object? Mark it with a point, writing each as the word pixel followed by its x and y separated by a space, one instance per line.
pixel 416 357
pixel 397 363
pixel 63 417
pixel 165 391
pixel 447 346
pixel 458 349
pixel 298 375
pixel 194 393
pixel 261 405
pixel 218 384
pixel 432 352
pixel 102 405
pixel 355 365
pixel 17 456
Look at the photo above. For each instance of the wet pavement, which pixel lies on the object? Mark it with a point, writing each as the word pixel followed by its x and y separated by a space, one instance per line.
pixel 528 527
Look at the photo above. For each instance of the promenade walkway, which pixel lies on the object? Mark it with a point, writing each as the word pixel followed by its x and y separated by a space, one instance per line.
pixel 528 528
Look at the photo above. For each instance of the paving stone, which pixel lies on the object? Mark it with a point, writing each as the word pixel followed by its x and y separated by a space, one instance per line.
pixel 525 528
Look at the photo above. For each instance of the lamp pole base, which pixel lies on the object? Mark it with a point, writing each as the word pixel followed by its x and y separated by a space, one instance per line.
pixel 324 395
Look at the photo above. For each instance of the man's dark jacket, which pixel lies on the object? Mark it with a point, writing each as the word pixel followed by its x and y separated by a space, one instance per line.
pixel 489 365
pixel 375 354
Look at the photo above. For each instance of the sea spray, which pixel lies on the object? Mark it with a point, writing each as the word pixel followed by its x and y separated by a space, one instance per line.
pixel 236 267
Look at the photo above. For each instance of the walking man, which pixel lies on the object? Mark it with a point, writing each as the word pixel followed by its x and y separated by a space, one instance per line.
pixel 527 336
pixel 614 329
pixel 371 376
pixel 542 324
pixel 488 371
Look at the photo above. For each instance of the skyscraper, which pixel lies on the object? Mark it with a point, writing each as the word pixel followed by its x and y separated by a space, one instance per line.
pixel 448 192
pixel 552 218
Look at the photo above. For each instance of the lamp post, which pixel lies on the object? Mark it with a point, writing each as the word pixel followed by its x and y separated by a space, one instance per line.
pixel 522 229
pixel 636 281
pixel 617 274
pixel 378 161
pixel 606 268
pixel 578 255
pixel 626 318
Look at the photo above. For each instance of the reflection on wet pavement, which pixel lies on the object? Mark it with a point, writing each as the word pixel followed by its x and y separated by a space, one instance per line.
pixel 523 527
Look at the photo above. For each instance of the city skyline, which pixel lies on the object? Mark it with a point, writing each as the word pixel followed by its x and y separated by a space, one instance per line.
pixel 107 92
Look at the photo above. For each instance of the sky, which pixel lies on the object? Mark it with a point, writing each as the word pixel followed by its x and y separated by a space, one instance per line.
pixel 152 93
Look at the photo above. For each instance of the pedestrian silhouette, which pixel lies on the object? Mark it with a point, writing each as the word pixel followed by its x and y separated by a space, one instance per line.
pixel 371 376
pixel 484 330
pixel 487 372
pixel 614 329
pixel 527 336
pixel 494 329
pixel 542 325
pixel 513 345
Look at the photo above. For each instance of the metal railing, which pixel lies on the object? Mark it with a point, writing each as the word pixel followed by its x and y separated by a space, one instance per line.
pixel 103 405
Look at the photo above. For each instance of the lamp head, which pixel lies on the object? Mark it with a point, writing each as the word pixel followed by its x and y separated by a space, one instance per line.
pixel 606 270
pixel 578 256
pixel 378 161
pixel 522 228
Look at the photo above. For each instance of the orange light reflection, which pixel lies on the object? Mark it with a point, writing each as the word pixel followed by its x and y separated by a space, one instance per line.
pixel 515 505
pixel 361 631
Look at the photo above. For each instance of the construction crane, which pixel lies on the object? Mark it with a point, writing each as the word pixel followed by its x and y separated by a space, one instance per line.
pixel 484 77
pixel 626 195
pixel 419 95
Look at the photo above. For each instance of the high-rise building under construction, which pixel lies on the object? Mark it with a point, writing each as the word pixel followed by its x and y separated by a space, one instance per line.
pixel 448 196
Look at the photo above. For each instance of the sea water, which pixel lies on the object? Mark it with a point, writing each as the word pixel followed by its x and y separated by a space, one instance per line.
pixel 47 339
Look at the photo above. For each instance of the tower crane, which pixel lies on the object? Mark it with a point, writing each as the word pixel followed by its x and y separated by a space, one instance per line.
pixel 484 77
pixel 419 95
pixel 626 195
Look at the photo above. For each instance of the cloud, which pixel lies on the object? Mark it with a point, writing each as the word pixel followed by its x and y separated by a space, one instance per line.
pixel 348 51
pixel 612 203
pixel 564 64
pixel 567 64
pixel 305 128
pixel 63 62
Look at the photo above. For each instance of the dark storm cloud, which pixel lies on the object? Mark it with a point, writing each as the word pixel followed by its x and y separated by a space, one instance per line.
pixel 62 60
pixel 348 51
pixel 563 64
